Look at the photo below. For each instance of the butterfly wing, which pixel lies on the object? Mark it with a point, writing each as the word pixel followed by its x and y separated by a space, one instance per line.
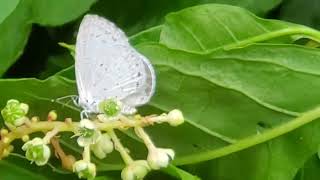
pixel 107 66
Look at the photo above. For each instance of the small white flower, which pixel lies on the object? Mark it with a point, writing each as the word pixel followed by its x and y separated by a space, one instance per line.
pixel 85 169
pixel 135 170
pixel 14 113
pixel 37 151
pixel 160 157
pixel 102 147
pixel 111 109
pixel 175 117
pixel 88 133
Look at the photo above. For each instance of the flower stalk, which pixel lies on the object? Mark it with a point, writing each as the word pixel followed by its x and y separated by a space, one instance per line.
pixel 96 135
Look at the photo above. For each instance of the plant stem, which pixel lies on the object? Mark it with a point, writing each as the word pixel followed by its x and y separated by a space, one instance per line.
pixel 308 32
pixel 50 135
pixel 86 153
pixel 305 118
pixel 45 126
pixel 145 137
pixel 119 147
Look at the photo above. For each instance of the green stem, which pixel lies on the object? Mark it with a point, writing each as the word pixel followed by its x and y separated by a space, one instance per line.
pixel 305 118
pixel 50 135
pixel 86 153
pixel 308 32
pixel 145 137
pixel 179 173
pixel 119 147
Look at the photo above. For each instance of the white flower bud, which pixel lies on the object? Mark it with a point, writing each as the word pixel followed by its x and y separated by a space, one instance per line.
pixel 37 151
pixel 102 147
pixel 135 170
pixel 88 133
pixel 175 117
pixel 85 169
pixel 160 157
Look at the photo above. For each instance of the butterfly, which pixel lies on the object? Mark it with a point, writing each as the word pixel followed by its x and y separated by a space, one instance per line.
pixel 107 66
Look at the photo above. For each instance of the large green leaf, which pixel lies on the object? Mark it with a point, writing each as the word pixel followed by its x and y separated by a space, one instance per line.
pixel 7 6
pixel 136 15
pixel 18 168
pixel 310 170
pixel 52 12
pixel 208 27
pixel 15 28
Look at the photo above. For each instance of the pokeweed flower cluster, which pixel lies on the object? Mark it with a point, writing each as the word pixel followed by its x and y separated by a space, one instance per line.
pixel 95 135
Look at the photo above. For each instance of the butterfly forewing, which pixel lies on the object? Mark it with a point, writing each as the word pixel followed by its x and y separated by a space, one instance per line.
pixel 108 67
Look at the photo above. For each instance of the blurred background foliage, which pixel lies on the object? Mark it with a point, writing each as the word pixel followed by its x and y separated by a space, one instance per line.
pixel 31 29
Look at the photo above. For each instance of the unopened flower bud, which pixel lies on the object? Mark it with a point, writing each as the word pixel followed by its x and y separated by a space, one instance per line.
pixel 160 157
pixel 14 113
pixel 35 119
pixel 4 132
pixel 175 117
pixel 135 170
pixel 85 169
pixel 88 133
pixel 102 147
pixel 37 151
pixel 52 115
pixel 25 138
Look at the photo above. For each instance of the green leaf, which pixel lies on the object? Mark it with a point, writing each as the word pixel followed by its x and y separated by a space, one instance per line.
pixel 208 27
pixel 179 173
pixel 11 171
pixel 276 159
pixel 137 15
pixel 310 170
pixel 15 28
pixel 53 13
pixel 14 31
pixel 7 6
pixel 18 168
pixel 270 70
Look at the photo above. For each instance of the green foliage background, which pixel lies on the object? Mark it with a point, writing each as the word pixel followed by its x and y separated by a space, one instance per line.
pixel 233 74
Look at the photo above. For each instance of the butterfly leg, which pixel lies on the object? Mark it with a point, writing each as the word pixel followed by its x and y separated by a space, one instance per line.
pixel 74 98
pixel 84 114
